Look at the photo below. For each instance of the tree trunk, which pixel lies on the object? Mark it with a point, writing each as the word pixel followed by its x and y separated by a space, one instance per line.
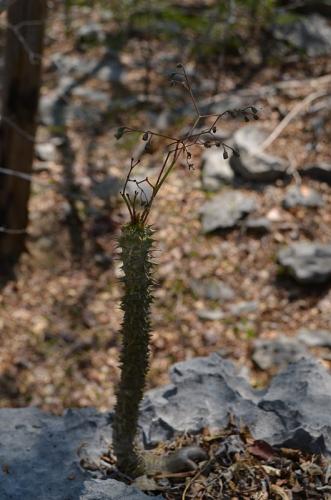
pixel 22 77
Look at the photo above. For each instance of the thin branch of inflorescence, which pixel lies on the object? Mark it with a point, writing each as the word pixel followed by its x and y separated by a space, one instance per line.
pixel 176 148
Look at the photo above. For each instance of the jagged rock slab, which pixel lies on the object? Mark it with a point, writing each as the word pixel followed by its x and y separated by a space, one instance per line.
pixel 40 457
pixel 311 34
pixel 215 170
pixel 202 394
pixel 320 172
pixel 295 409
pixel 252 164
pixel 308 263
pixel 300 398
pixel 205 391
pixel 224 211
pixel 297 196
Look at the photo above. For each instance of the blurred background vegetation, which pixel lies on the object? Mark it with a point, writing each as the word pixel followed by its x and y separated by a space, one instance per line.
pixel 107 64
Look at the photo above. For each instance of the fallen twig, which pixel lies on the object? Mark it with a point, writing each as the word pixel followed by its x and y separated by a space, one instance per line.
pixel 289 117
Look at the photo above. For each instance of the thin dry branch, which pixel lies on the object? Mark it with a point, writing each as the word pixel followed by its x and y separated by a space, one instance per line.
pixel 289 117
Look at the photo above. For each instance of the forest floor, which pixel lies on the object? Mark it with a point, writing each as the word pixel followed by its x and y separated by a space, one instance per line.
pixel 60 319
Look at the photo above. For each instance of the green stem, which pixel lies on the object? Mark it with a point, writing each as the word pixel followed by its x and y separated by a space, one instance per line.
pixel 136 243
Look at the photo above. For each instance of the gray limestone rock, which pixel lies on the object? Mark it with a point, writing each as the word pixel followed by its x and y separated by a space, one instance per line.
pixel 300 399
pixel 277 353
pixel 90 95
pixel 224 211
pixel 226 103
pixel 215 170
pixel 90 33
pixel 41 454
pixel 311 34
pixel 108 68
pixel 204 391
pixel 55 112
pixel 252 164
pixel 242 308
pixel 259 225
pixel 112 71
pixel 45 151
pixel 210 314
pixel 191 402
pixel 315 338
pixel 107 188
pixel 72 65
pixel 47 457
pixel 212 289
pixel 302 196
pixel 308 263
pixel 143 189
pixel 320 172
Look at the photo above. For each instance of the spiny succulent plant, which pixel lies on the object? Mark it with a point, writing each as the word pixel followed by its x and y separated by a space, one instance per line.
pixel 136 244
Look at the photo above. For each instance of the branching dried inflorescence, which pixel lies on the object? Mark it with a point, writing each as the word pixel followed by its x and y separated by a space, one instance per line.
pixel 139 205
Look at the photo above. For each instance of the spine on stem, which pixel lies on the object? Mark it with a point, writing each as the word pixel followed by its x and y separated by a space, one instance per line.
pixel 136 244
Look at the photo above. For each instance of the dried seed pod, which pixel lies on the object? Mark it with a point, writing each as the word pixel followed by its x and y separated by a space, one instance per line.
pixel 225 154
pixel 148 148
pixel 119 132
pixel 214 129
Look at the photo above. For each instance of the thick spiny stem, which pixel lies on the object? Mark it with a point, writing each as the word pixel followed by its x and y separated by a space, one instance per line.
pixel 136 243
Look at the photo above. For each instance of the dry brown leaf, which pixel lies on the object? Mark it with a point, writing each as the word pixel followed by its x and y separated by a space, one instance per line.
pixel 261 449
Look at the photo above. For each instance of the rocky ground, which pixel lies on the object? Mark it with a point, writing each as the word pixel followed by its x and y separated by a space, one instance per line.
pixel 244 255
pixel 257 445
